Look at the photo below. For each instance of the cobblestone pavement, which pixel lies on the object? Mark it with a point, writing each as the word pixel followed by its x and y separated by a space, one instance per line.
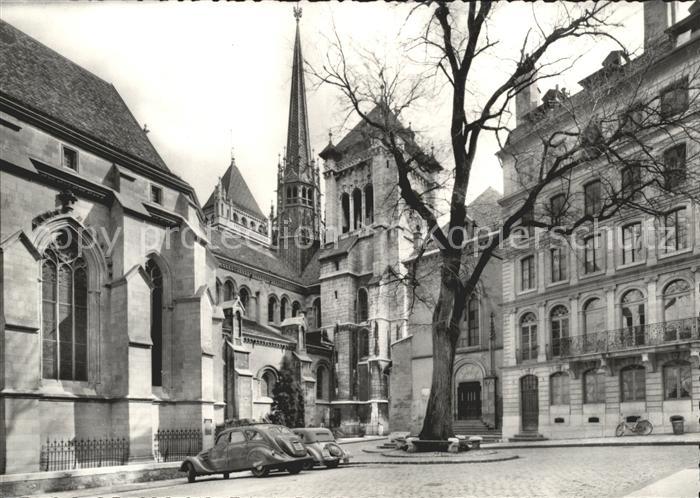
pixel 607 471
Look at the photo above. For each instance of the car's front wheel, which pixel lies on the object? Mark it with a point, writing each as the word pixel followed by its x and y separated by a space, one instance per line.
pixel 191 473
pixel 308 465
pixel 295 468
pixel 260 471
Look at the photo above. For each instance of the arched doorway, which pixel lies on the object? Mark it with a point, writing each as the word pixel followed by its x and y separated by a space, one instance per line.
pixel 529 407
pixel 468 386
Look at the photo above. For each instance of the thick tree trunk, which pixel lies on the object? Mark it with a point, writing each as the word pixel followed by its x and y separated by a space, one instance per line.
pixel 437 423
pixel 438 415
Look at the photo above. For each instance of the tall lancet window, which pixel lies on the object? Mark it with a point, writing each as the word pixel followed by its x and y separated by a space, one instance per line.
pixel 156 322
pixel 369 204
pixel 357 209
pixel 64 310
pixel 345 206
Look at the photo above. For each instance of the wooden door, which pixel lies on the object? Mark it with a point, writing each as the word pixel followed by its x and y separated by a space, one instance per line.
pixel 469 400
pixel 529 403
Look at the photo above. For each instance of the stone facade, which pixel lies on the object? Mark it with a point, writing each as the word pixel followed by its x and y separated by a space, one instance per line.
pixel 592 346
pixel 477 375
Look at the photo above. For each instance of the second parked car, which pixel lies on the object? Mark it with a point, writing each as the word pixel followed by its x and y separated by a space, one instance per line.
pixel 258 448
pixel 322 446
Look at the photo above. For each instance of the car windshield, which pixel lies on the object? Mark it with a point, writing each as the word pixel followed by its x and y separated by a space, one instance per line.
pixel 280 429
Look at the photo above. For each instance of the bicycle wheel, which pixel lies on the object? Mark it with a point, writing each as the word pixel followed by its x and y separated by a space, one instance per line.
pixel 620 429
pixel 644 427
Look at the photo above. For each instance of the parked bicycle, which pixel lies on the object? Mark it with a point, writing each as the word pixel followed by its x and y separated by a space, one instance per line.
pixel 640 426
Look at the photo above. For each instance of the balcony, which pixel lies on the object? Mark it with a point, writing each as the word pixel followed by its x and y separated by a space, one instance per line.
pixel 628 338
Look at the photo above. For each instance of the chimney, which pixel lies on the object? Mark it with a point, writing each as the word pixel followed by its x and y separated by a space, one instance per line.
pixel 526 101
pixel 658 17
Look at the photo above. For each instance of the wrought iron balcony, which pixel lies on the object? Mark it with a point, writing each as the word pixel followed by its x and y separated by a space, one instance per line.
pixel 628 338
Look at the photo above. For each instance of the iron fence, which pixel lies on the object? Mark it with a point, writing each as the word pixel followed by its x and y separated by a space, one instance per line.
pixel 67 454
pixel 176 444
pixel 654 334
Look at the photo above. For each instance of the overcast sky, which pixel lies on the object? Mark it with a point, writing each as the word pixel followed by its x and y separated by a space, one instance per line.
pixel 206 77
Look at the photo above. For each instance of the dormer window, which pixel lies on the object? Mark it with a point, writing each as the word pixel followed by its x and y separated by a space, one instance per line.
pixel 70 158
pixel 156 194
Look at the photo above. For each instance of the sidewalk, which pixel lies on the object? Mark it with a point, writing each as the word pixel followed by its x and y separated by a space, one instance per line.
pixel 684 483
pixel 651 440
pixel 44 482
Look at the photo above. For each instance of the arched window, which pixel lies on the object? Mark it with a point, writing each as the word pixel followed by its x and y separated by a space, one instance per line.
pixel 633 318
pixel 289 193
pixel 296 308
pixel 471 317
pixel 309 196
pixel 528 337
pixel 229 290
pixel 244 222
pixel 678 308
pixel 364 343
pixel 322 383
pixel 156 321
pixel 593 319
pixel 295 193
pixel 267 384
pixel 252 225
pixel 559 388
pixel 271 309
pixel 677 380
pixel 593 387
pixel 244 296
pixel 283 309
pixel 345 207
pixel 317 312
pixel 235 217
pixel 559 323
pixel 357 209
pixel 64 310
pixel 362 306
pixel 369 204
pixel 633 383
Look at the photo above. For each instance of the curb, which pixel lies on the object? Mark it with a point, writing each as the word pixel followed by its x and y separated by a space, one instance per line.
pixel 584 445
pixel 431 462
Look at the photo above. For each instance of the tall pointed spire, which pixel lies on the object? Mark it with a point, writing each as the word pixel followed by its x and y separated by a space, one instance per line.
pixel 297 227
pixel 298 152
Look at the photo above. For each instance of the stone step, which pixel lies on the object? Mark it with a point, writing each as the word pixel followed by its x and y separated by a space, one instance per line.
pixel 522 437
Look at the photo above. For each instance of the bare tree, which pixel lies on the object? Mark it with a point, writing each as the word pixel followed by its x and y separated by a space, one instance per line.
pixel 613 120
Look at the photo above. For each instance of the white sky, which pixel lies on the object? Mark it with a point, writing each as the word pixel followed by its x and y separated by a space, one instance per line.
pixel 206 76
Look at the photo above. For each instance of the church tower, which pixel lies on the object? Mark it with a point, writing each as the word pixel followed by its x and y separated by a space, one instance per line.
pixel 298 224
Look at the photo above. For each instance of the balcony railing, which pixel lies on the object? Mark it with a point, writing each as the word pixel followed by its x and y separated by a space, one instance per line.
pixel 654 334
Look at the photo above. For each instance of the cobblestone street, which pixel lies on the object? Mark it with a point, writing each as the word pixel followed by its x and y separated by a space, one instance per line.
pixel 603 471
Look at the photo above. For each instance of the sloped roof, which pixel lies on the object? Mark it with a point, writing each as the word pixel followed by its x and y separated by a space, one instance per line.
pixel 251 254
pixel 338 247
pixel 41 79
pixel 485 210
pixel 312 272
pixel 358 138
pixel 251 327
pixel 235 190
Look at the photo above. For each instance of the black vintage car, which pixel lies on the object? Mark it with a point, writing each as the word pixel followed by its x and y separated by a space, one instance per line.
pixel 258 448
pixel 322 446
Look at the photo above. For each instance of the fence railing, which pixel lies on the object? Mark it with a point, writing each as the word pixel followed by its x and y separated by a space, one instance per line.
pixel 654 334
pixel 174 445
pixel 67 454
